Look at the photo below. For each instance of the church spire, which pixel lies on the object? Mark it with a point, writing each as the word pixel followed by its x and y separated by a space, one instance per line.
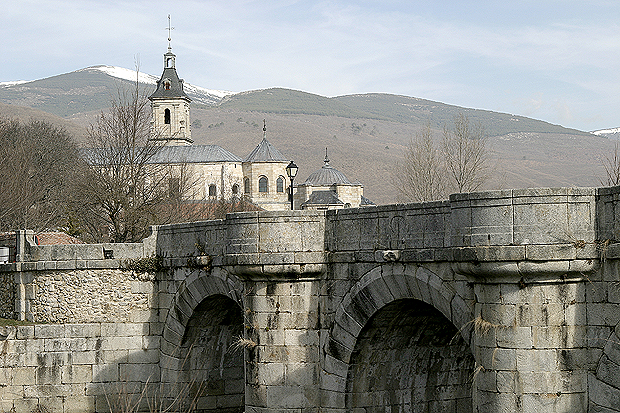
pixel 170 104
pixel 169 38
pixel 169 57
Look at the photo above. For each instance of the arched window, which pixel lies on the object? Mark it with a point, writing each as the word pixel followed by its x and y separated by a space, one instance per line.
pixel 263 184
pixel 212 190
pixel 167 116
pixel 235 189
pixel 246 185
pixel 280 184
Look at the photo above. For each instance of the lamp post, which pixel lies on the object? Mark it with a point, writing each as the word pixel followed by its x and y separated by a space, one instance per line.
pixel 291 171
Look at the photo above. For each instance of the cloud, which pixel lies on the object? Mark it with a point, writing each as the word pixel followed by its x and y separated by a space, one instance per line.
pixel 456 52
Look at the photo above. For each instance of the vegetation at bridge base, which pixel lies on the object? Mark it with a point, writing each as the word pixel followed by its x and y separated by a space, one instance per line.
pixel 144 265
pixel 6 322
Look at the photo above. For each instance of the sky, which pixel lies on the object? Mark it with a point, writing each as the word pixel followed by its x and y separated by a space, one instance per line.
pixel 557 61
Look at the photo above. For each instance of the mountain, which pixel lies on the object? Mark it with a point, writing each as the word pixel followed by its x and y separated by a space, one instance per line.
pixel 87 90
pixel 366 134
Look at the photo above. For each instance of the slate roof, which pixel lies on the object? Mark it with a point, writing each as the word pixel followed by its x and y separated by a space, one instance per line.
pixel 194 154
pixel 265 152
pixel 323 198
pixel 178 154
pixel 327 176
pixel 366 202
pixel 176 85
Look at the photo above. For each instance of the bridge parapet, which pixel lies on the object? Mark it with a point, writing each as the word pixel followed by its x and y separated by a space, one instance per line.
pixel 286 243
pixel 491 218
pixel 520 225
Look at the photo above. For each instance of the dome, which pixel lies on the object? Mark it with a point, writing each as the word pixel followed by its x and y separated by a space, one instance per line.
pixel 327 176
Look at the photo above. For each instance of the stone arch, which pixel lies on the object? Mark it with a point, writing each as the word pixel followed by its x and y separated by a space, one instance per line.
pixel 384 287
pixel 199 361
pixel 194 290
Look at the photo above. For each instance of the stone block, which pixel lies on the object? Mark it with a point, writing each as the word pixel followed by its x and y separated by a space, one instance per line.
pixel 22 376
pixel 536 360
pixel 143 356
pixel 499 314
pixel 24 332
pixel 514 337
pixel 76 374
pixel 547 337
pixel 151 341
pixel 82 330
pixel 506 381
pixel 139 372
pixel 550 252
pixel 271 374
pixel 540 382
pixel 122 329
pixel 271 337
pixel 331 401
pixel 105 373
pixel 602 314
pixel 550 402
pixel 291 397
pixel 122 343
pixel 545 315
pixel 84 357
pixel 113 356
pixel 79 404
pixel 49 330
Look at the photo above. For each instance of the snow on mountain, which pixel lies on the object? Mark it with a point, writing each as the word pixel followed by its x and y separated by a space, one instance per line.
pixel 613 133
pixel 604 132
pixel 13 83
pixel 197 93
pixel 122 73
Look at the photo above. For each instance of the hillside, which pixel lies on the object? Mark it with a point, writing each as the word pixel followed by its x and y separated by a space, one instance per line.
pixel 25 114
pixel 366 134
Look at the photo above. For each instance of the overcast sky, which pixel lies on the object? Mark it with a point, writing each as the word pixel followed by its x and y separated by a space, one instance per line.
pixel 557 61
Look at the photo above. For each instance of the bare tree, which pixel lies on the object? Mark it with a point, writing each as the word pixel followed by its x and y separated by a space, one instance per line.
pixel 458 165
pixel 464 148
pixel 130 186
pixel 611 163
pixel 38 167
pixel 420 175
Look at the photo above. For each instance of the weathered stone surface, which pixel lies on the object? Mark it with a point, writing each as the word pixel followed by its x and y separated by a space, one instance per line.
pixel 352 310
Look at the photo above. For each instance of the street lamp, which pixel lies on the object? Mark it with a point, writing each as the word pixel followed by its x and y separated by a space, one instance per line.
pixel 291 171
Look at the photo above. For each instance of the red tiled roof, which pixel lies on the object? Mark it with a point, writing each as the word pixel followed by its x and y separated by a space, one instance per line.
pixel 56 238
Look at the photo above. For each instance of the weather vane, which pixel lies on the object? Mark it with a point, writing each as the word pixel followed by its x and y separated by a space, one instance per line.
pixel 169 30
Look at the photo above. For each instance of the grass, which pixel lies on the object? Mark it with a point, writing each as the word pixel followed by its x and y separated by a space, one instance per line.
pixel 4 322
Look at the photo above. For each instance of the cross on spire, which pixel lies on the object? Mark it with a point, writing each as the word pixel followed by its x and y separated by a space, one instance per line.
pixel 169 30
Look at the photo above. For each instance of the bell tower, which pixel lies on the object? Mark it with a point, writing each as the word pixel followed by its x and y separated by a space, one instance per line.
pixel 170 104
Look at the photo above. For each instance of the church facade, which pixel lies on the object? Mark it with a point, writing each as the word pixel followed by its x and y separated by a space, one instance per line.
pixel 260 177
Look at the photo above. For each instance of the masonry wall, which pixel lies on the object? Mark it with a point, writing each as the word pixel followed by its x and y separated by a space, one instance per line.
pixel 329 306
pixel 90 295
pixel 94 332
pixel 75 367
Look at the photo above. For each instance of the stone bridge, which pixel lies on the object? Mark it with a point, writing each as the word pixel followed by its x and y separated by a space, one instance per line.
pixel 500 301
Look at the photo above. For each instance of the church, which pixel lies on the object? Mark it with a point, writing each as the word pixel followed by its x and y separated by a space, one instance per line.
pixel 260 177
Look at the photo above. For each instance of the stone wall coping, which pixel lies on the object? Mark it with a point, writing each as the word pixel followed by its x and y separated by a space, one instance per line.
pixel 480 254
pixel 501 225
pixel 62 265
